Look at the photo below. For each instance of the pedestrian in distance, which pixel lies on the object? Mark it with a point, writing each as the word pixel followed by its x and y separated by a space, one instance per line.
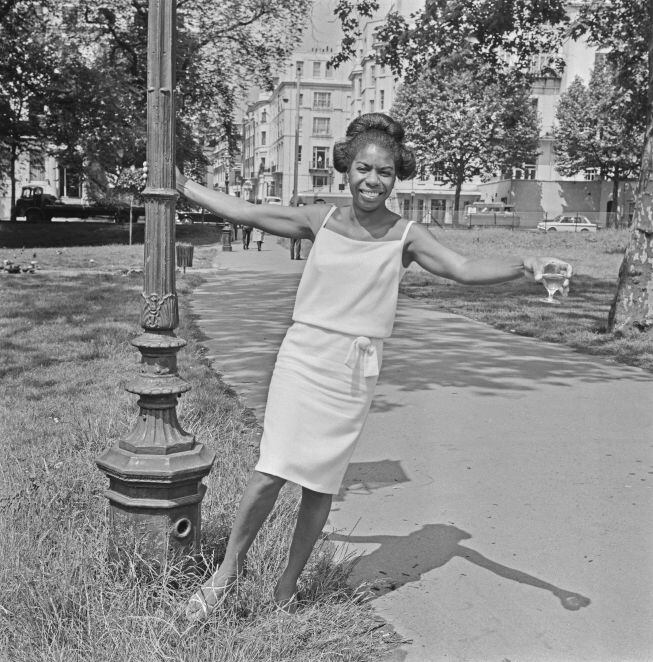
pixel 295 248
pixel 247 236
pixel 328 364
pixel 296 244
pixel 258 235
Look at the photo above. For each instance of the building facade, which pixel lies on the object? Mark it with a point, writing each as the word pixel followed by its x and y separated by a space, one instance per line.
pixel 289 133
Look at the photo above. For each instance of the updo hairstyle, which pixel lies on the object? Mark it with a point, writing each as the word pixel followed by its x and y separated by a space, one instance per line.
pixel 380 130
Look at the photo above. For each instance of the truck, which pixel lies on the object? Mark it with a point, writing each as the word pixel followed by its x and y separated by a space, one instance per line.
pixel 490 214
pixel 37 206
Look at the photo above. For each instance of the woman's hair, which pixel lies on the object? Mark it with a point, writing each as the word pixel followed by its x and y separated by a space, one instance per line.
pixel 378 129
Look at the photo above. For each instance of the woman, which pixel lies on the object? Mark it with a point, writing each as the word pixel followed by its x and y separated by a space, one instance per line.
pixel 329 361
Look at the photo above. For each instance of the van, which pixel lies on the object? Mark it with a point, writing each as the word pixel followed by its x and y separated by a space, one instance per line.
pixel 272 200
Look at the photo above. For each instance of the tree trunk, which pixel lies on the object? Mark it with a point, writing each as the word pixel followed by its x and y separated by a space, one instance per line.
pixel 633 303
pixel 12 178
pixel 456 198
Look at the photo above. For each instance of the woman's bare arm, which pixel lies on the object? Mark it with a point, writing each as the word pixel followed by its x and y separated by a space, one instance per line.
pixel 422 247
pixel 297 222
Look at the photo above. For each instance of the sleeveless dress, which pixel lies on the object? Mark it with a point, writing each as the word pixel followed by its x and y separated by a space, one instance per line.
pixel 328 364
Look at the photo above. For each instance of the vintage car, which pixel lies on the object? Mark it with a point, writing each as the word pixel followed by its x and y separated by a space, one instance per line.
pixel 567 223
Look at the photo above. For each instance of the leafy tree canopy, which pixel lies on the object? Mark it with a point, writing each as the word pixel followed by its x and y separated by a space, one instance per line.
pixel 622 30
pixel 96 92
pixel 463 127
pixel 595 128
pixel 502 34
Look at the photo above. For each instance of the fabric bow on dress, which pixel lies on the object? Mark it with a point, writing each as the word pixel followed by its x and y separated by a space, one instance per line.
pixel 363 350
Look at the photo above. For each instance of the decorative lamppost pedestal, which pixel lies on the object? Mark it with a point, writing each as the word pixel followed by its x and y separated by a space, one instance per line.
pixel 155 472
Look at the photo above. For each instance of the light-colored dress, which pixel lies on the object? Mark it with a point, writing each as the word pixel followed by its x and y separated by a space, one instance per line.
pixel 328 364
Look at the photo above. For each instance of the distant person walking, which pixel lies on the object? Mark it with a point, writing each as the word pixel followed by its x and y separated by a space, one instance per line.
pixel 328 364
pixel 295 248
pixel 247 236
pixel 258 235
pixel 296 244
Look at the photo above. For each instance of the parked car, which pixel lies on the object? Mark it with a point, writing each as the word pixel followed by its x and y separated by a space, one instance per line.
pixel 567 223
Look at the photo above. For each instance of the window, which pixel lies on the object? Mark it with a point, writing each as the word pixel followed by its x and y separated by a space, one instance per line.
pixel 372 74
pixel 70 183
pixel 299 67
pixel 264 116
pixel 317 69
pixel 406 208
pixel 371 105
pixel 301 99
pixel 422 173
pixel 420 210
pixel 321 126
pixel 299 154
pixel 320 180
pixel 320 157
pixel 529 171
pixel 329 70
pixel 591 174
pixel 37 167
pixel 438 209
pixel 263 137
pixel 382 99
pixel 322 100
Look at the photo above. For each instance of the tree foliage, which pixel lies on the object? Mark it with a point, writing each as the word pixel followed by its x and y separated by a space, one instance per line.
pixel 462 127
pixel 96 88
pixel 27 64
pixel 596 129
pixel 499 34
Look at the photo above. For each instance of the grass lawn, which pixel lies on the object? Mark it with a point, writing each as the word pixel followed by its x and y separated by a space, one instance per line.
pixel 98 246
pixel 579 322
pixel 66 359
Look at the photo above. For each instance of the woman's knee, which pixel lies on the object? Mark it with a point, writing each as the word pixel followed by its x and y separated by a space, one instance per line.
pixel 312 496
pixel 267 483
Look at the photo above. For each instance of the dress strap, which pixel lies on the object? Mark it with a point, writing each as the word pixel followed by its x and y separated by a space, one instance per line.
pixel 328 216
pixel 405 234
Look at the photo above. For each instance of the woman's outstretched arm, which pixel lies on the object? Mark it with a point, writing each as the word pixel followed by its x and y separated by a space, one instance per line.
pixel 298 222
pixel 422 247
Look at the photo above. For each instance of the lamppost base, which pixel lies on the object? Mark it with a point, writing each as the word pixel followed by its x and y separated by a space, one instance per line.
pixel 155 504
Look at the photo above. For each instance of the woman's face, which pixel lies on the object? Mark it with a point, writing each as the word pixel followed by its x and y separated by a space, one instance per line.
pixel 371 177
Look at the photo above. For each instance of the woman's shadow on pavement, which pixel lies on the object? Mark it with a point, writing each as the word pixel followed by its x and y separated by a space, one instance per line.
pixel 403 559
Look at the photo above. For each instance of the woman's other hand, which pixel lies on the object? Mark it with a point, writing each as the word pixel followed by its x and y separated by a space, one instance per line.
pixel 536 267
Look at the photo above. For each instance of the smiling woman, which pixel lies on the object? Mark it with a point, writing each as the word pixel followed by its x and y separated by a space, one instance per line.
pixel 328 364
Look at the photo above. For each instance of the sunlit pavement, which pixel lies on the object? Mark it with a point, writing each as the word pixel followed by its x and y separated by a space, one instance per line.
pixel 501 495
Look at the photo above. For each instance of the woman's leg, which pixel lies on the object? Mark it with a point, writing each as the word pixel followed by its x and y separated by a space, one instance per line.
pixel 313 513
pixel 255 505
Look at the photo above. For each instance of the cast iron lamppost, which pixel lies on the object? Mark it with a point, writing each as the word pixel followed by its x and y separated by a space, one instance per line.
pixel 295 191
pixel 155 472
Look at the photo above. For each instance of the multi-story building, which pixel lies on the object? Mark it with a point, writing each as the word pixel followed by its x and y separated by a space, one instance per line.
pixel 306 110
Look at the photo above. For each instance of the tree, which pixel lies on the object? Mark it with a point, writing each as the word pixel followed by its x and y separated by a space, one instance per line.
pixel 625 27
pixel 27 65
pixel 596 130
pixel 463 127
pixel 503 35
pixel 222 48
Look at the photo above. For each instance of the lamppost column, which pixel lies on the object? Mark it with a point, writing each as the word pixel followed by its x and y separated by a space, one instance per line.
pixel 295 191
pixel 155 472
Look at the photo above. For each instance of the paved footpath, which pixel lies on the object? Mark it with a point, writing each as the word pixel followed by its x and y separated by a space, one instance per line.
pixel 501 498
